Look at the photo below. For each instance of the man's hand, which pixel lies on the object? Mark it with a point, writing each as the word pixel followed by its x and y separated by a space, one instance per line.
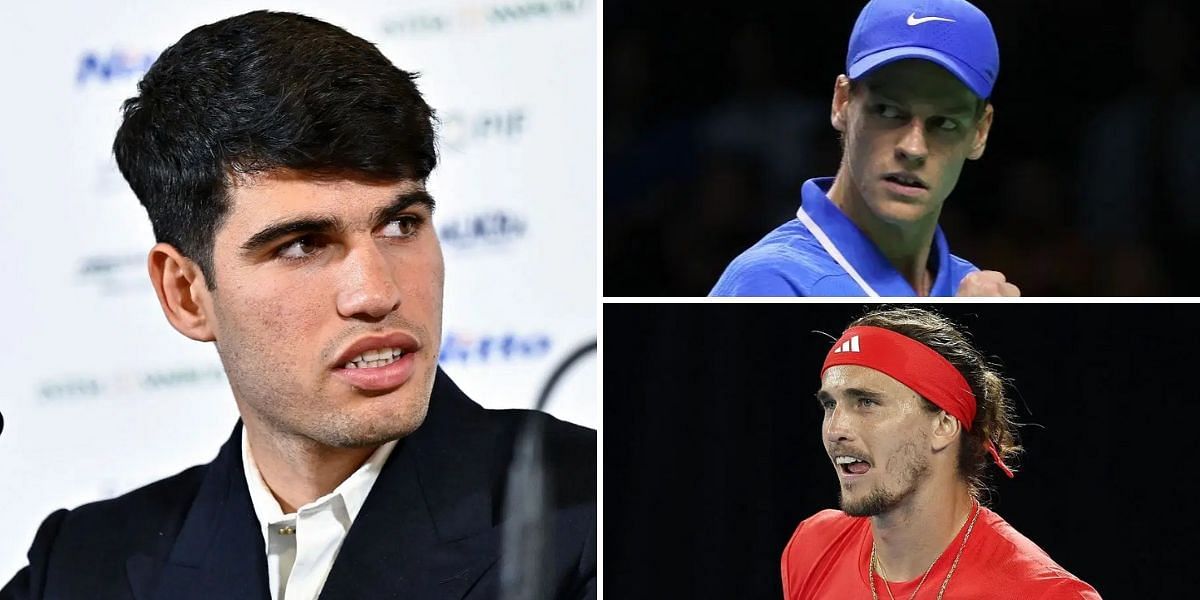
pixel 986 283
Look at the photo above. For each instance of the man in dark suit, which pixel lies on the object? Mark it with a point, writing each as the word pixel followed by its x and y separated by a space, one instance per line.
pixel 282 162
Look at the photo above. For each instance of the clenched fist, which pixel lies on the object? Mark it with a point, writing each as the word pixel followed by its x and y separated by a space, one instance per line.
pixel 986 283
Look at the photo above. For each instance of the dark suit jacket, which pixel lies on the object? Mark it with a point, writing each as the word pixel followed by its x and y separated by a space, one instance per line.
pixel 430 527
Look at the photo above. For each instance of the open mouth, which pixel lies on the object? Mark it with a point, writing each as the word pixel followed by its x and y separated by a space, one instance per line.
pixel 906 181
pixel 378 362
pixel 852 465
pixel 373 359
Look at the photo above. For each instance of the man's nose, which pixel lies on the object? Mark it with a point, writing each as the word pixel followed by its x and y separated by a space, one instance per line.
pixel 838 426
pixel 368 287
pixel 912 150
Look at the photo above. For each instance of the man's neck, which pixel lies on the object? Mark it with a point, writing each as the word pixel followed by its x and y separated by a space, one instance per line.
pixel 298 470
pixel 905 245
pixel 911 537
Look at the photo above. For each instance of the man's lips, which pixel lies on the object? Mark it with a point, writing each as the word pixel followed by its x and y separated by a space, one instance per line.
pixel 389 376
pixel 906 178
pixel 905 190
pixel 394 339
pixel 847 463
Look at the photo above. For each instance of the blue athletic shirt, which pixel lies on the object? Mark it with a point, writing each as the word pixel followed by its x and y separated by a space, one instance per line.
pixel 823 253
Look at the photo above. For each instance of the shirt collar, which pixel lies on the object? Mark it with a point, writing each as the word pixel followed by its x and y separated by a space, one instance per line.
pixel 862 253
pixel 352 492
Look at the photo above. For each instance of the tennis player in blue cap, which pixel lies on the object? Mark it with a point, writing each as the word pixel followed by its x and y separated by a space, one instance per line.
pixel 911 107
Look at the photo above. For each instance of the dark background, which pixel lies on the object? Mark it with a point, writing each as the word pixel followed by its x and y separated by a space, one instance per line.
pixel 715 114
pixel 713 452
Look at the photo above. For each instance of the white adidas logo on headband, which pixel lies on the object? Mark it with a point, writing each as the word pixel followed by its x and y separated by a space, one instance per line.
pixel 850 345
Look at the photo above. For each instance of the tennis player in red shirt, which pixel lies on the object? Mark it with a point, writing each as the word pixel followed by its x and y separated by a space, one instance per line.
pixel 914 416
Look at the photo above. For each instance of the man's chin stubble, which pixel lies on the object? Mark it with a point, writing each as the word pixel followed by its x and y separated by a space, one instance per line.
pixel 876 503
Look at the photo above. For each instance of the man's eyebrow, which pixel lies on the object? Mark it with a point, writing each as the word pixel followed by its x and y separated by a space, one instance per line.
pixel 959 110
pixel 401 203
pixel 863 394
pixel 310 224
pixel 854 393
pixel 881 92
pixel 304 224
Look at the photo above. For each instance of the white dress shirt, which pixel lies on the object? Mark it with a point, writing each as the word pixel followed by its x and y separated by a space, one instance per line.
pixel 302 546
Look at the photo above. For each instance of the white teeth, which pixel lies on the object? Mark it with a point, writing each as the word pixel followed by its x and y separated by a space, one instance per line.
pixel 845 460
pixel 375 358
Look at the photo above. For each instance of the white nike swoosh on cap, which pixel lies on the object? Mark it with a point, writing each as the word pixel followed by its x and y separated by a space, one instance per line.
pixel 913 20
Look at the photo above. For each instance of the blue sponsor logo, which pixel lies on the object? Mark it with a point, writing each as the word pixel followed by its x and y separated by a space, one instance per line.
pixel 489 229
pixel 117 65
pixel 460 348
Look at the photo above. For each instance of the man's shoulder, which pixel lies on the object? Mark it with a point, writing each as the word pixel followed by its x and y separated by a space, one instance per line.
pixel 494 431
pixel 137 515
pixel 787 261
pixel 566 447
pixel 823 543
pixel 960 267
pixel 155 495
pixel 540 462
pixel 94 540
pixel 1027 564
pixel 1007 544
pixel 827 531
pixel 509 418
pixel 829 523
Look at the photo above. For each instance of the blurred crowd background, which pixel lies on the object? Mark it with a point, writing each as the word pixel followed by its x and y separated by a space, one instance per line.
pixel 1090 186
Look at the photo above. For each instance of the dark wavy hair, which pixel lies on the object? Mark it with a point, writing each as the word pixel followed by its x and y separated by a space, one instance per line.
pixel 994 416
pixel 261 92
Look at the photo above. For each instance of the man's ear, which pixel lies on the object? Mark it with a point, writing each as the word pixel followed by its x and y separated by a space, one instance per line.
pixel 182 292
pixel 841 101
pixel 945 429
pixel 981 133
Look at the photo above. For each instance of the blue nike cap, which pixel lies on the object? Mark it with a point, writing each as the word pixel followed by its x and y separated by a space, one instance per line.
pixel 952 33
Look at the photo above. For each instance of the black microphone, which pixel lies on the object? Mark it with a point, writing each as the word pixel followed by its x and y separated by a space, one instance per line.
pixel 525 540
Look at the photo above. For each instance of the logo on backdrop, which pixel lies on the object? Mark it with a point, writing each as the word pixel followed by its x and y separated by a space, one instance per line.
pixel 114 274
pixel 478 16
pixel 459 129
pixel 126 382
pixel 120 64
pixel 492 230
pixel 472 349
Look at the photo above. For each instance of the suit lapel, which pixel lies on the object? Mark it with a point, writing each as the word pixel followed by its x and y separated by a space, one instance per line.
pixel 219 552
pixel 426 528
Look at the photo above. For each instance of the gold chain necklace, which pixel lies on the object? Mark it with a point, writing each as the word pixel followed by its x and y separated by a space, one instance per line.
pixel 945 582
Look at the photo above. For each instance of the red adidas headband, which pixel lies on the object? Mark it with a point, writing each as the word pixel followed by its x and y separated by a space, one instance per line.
pixel 915 365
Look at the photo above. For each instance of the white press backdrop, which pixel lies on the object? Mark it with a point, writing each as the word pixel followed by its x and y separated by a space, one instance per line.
pixel 100 395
